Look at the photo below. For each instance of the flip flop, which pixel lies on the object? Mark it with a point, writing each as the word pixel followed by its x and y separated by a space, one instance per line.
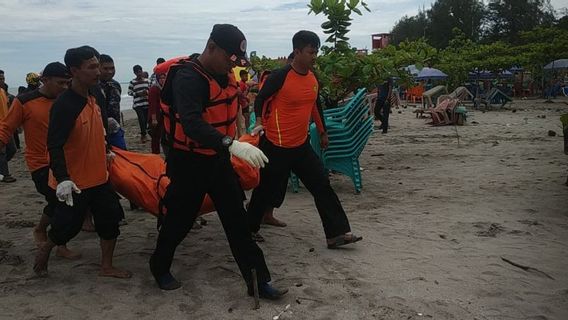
pixel 341 241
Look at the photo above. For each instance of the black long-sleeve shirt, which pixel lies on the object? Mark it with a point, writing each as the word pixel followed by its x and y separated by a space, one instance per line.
pixel 190 95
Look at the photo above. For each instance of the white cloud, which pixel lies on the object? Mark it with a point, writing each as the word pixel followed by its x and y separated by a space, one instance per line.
pixel 36 32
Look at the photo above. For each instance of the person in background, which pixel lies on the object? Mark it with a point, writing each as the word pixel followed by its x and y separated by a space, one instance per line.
pixel 153 78
pixel 155 118
pixel 138 89
pixel 110 87
pixel 31 110
pixel 8 150
pixel 33 81
pixel 243 99
pixel 116 134
pixel 383 104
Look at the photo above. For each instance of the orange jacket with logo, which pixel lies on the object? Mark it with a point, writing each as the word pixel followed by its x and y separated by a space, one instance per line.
pixel 76 141
pixel 286 103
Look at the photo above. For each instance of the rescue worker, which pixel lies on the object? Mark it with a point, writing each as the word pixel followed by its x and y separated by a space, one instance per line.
pixel 78 162
pixel 31 110
pixel 205 106
pixel 284 106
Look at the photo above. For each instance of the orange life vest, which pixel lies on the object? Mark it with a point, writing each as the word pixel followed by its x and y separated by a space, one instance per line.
pixel 220 111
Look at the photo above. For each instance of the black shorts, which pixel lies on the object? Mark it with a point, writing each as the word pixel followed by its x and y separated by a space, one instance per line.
pixel 40 178
pixel 103 203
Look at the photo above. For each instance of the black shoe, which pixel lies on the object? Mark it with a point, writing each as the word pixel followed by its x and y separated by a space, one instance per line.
pixel 8 179
pixel 165 281
pixel 267 291
pixel 257 237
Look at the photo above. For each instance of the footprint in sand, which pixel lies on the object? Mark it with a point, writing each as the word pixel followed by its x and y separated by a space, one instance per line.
pixel 488 229
pixel 10 259
pixel 19 224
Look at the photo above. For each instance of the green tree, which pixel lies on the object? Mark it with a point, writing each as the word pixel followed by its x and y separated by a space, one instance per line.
pixel 338 13
pixel 409 28
pixel 508 18
pixel 258 64
pixel 445 15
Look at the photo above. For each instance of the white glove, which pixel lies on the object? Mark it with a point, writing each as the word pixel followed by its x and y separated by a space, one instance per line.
pixel 110 156
pixel 257 130
pixel 251 154
pixel 65 191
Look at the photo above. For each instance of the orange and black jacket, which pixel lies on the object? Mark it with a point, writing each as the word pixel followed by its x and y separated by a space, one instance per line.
pixel 286 103
pixel 205 107
pixel 30 110
pixel 76 141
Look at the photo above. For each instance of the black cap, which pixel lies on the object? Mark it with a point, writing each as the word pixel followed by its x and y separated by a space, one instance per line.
pixel 232 40
pixel 56 69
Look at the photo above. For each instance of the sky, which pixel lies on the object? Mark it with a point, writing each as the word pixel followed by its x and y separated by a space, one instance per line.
pixel 37 32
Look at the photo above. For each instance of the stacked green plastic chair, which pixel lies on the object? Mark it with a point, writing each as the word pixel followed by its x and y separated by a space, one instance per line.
pixel 349 128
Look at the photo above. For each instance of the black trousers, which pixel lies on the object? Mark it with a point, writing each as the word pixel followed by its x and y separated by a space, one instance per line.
pixel 104 205
pixel 192 176
pixel 309 168
pixel 40 178
pixel 382 113
pixel 142 114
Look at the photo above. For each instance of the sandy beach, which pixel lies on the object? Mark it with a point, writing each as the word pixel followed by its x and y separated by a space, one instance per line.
pixel 470 230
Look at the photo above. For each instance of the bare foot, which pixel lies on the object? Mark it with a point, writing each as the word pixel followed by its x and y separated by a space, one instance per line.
pixel 41 259
pixel 64 252
pixel 40 236
pixel 115 273
pixel 273 221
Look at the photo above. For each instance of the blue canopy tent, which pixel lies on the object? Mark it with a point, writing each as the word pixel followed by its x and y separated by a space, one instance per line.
pixel 487 75
pixel 557 64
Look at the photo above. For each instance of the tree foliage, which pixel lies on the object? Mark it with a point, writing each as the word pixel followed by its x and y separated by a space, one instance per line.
pixel 409 28
pixel 258 64
pixel 338 13
pixel 498 20
pixel 508 18
pixel 445 15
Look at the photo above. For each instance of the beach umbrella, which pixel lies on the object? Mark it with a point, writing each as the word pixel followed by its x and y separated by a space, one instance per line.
pixel 557 64
pixel 412 69
pixel 431 73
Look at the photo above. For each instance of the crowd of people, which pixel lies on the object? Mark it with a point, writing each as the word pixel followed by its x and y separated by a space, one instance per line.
pixel 192 107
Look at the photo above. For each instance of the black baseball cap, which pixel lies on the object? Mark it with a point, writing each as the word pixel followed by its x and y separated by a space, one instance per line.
pixel 233 41
pixel 56 69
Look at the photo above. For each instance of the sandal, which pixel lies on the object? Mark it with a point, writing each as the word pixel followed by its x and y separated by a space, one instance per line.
pixel 341 240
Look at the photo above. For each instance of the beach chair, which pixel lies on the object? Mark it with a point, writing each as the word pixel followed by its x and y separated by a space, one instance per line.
pixel 431 95
pixel 495 98
pixel 347 138
pixel 414 94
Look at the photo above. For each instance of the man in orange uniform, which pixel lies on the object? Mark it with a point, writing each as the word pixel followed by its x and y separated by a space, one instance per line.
pixel 8 150
pixel 31 110
pixel 284 106
pixel 78 156
pixel 205 108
